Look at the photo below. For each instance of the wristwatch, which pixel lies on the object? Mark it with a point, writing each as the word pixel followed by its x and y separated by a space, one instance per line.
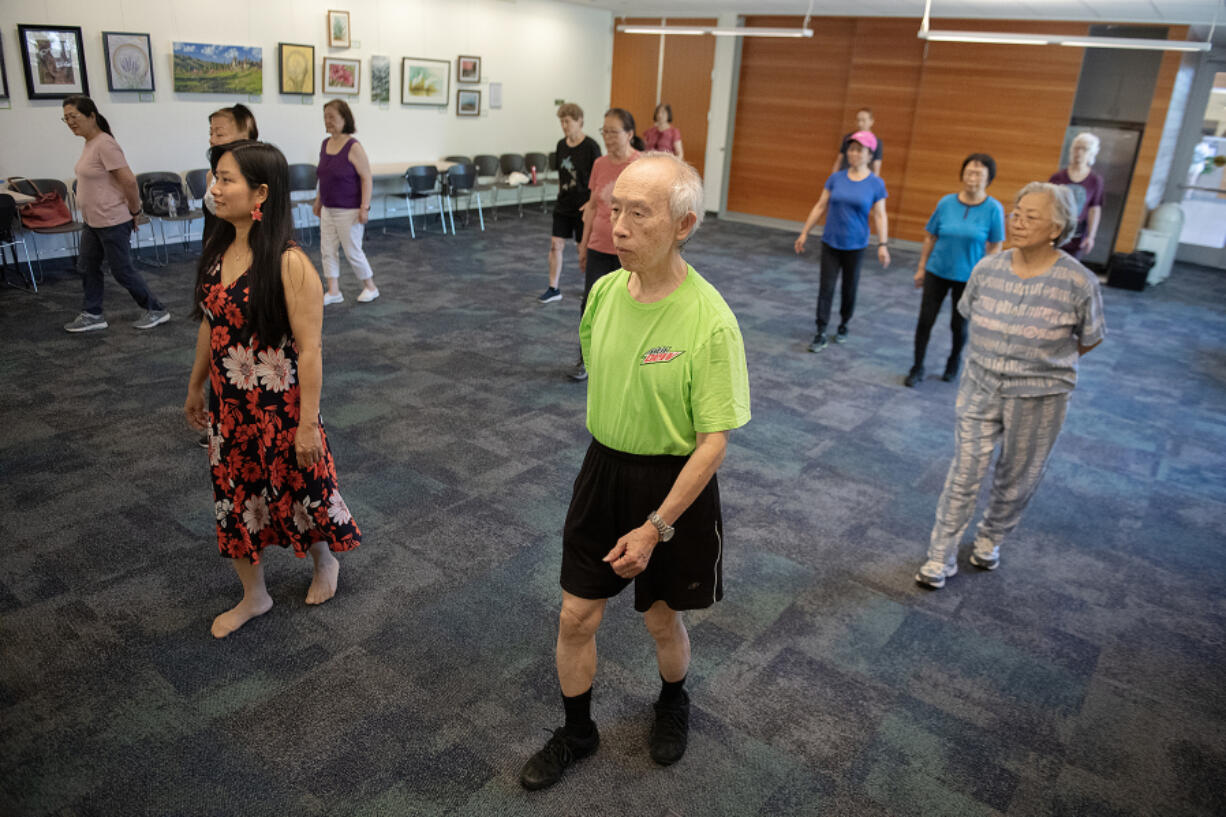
pixel 666 530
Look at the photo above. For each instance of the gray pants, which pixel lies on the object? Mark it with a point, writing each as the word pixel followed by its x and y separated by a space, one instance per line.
pixel 1026 428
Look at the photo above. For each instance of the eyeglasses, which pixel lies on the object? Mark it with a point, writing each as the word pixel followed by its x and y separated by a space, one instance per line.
pixel 609 132
pixel 71 118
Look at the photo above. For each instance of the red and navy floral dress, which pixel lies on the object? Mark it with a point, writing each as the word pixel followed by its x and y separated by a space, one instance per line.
pixel 262 497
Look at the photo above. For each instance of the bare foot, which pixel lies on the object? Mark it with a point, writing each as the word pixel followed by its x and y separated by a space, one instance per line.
pixel 244 611
pixel 323 585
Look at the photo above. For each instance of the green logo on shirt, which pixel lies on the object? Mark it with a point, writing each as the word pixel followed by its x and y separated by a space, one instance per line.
pixel 660 354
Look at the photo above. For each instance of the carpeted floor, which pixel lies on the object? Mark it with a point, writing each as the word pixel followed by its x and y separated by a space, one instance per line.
pixel 1084 677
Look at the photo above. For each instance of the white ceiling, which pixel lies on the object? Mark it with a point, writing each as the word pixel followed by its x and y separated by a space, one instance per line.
pixel 1100 11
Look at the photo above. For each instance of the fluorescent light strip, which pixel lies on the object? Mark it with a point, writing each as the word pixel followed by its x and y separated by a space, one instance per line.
pixel 1009 38
pixel 718 32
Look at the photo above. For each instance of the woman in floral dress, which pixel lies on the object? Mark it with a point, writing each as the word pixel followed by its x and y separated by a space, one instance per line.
pixel 261 308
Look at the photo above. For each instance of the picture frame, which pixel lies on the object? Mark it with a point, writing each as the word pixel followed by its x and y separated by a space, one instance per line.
pixel 380 79
pixel 425 82
pixel 338 29
pixel 53 59
pixel 341 76
pixel 468 69
pixel 4 76
pixel 209 68
pixel 296 68
pixel 129 62
pixel 467 102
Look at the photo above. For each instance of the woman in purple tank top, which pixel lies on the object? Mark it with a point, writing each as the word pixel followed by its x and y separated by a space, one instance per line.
pixel 343 203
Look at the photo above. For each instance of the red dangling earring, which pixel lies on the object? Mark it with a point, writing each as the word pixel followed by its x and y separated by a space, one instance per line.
pixel 256 215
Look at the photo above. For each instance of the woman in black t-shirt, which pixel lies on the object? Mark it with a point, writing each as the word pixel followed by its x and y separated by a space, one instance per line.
pixel 577 153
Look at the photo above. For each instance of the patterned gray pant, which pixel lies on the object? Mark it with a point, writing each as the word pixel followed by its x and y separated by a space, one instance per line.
pixel 1026 428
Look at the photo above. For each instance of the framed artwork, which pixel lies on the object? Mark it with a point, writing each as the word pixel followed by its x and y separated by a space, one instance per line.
pixel 129 61
pixel 425 82
pixel 4 76
pixel 467 102
pixel 201 68
pixel 297 63
pixel 338 29
pixel 341 76
pixel 468 69
pixel 53 58
pixel 380 79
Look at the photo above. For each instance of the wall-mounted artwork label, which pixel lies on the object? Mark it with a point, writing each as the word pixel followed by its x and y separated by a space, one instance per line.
pixel 129 61
pixel 425 82
pixel 202 68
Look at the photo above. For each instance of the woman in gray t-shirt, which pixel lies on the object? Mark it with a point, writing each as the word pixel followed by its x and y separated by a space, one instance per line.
pixel 1033 312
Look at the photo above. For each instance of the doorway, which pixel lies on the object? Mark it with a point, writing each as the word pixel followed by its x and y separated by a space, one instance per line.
pixel 1201 170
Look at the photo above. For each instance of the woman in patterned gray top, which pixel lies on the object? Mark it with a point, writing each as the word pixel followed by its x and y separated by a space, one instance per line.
pixel 1033 312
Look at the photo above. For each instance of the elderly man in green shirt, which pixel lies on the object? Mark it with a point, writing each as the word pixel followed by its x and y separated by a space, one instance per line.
pixel 667 381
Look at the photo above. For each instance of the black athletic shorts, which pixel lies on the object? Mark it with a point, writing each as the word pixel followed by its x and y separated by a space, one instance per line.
pixel 567 225
pixel 613 494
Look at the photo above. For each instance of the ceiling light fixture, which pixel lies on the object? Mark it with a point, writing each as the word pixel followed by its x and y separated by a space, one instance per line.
pixel 724 31
pixel 1018 38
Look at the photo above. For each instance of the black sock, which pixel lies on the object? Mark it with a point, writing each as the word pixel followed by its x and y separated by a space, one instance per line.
pixel 671 691
pixel 579 713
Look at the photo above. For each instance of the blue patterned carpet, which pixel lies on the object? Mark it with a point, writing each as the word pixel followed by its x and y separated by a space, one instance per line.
pixel 1084 677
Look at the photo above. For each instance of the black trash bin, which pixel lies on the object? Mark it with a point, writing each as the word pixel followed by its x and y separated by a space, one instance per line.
pixel 1128 270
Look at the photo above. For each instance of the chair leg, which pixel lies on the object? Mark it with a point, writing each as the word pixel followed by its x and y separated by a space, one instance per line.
pixel 451 212
pixel 519 199
pixel 480 213
pixel 409 206
pixel 442 212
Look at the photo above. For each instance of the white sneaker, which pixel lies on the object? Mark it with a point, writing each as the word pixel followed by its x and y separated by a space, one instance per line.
pixel 329 298
pixel 368 295
pixel 933 574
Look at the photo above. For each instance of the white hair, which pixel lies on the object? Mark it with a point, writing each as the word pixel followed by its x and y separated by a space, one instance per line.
pixel 685 193
pixel 1092 144
pixel 1063 206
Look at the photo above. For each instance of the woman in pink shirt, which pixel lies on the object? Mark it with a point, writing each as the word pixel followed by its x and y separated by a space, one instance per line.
pixel 662 135
pixel 109 202
pixel 597 255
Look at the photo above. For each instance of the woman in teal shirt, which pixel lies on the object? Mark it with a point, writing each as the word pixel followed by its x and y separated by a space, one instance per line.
pixel 964 227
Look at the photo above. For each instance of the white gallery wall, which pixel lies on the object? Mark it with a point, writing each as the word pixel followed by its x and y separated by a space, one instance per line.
pixel 539 50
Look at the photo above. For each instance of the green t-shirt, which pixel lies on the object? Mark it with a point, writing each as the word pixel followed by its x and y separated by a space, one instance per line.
pixel 660 373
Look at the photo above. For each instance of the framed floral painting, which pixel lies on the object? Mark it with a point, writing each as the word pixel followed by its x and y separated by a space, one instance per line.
pixel 341 76
pixel 129 61
pixel 425 82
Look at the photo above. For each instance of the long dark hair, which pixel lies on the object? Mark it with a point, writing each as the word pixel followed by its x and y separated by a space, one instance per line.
pixel 260 163
pixel 87 108
pixel 627 119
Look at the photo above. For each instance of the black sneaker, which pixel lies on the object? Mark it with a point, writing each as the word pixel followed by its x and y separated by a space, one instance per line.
pixel 914 376
pixel 203 442
pixel 819 342
pixel 951 373
pixel 841 335
pixel 579 373
pixel 670 731
pixel 550 295
pixel 545 767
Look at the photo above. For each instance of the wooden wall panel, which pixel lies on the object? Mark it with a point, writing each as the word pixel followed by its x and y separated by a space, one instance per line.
pixel 686 85
pixel 1135 211
pixel 636 60
pixel 886 62
pixel 1010 101
pixel 789 117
